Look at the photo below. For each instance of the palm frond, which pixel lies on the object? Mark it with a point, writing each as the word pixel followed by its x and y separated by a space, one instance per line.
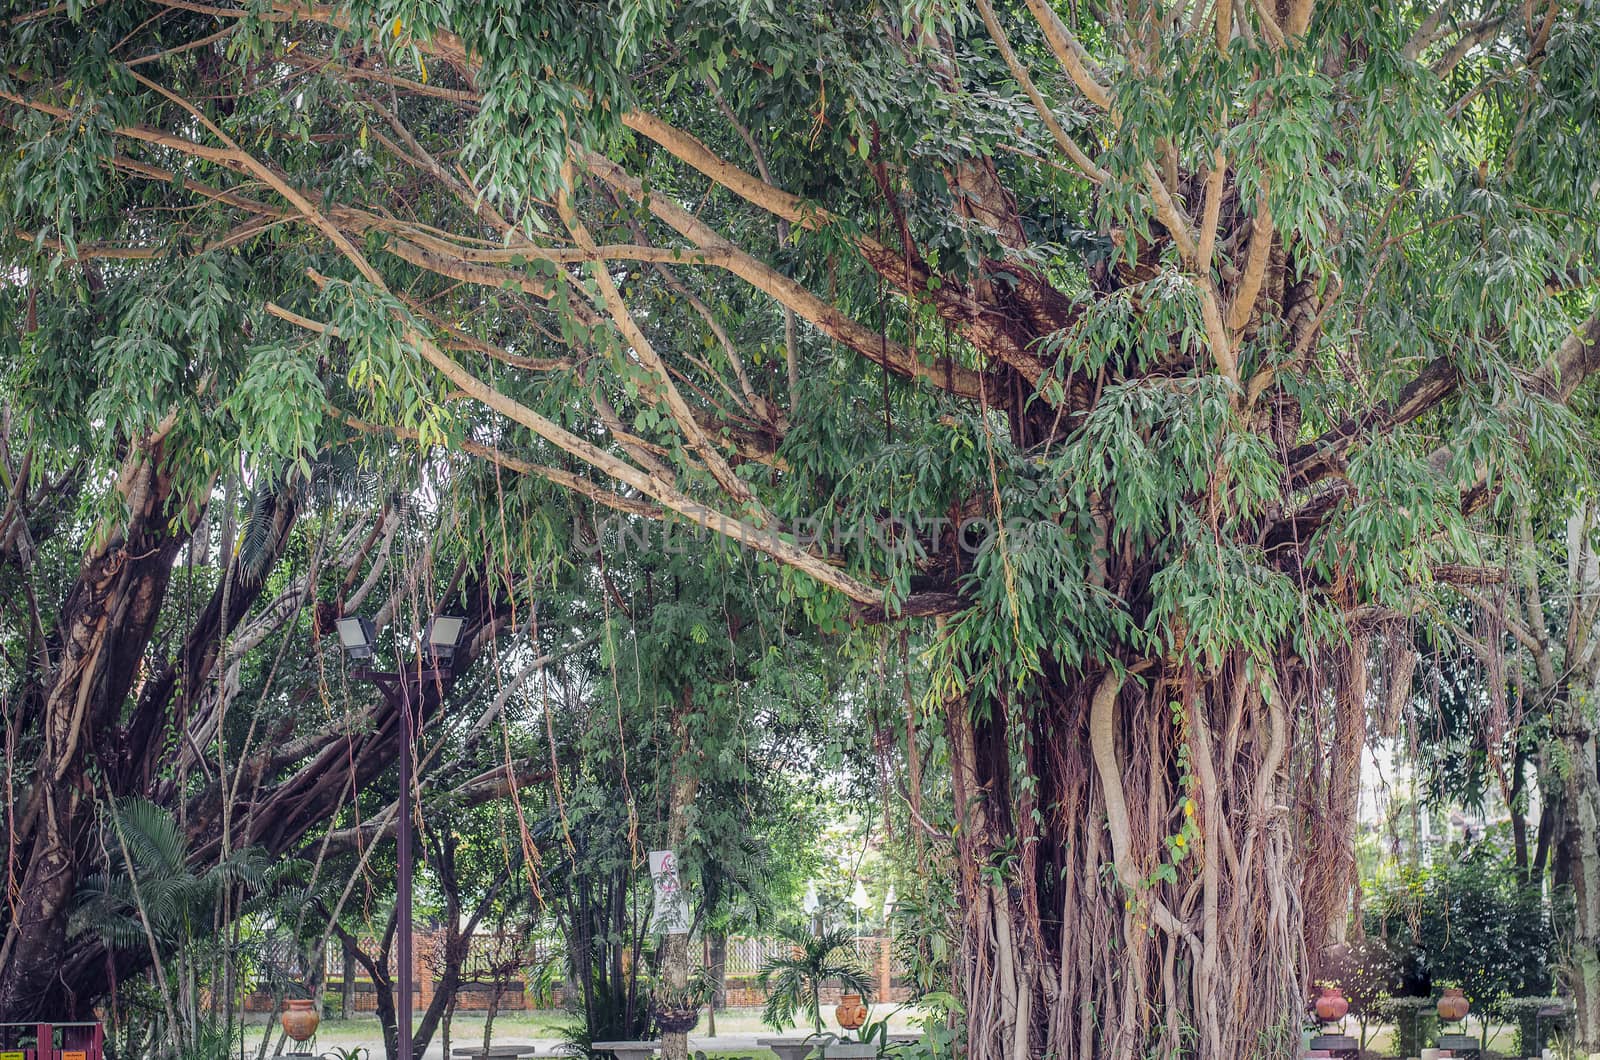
pixel 255 544
pixel 153 838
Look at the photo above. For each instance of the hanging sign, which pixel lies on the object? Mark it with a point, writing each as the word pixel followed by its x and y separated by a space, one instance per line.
pixel 671 912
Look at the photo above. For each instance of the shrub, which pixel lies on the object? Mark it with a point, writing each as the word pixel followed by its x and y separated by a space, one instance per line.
pixel 1473 919
pixel 1416 1023
pixel 1537 1020
pixel 1368 974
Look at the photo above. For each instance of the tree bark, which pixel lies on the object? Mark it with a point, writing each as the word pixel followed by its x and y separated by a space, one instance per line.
pixel 105 624
pixel 1106 943
pixel 1516 807
pixel 347 986
pixel 283 793
pixel 1573 776
pixel 458 940
pixel 377 967
pixel 717 969
pixel 1578 865
pixel 675 948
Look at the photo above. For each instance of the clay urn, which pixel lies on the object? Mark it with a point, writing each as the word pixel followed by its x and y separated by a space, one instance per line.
pixel 299 1018
pixel 851 1013
pixel 1453 1005
pixel 1331 1005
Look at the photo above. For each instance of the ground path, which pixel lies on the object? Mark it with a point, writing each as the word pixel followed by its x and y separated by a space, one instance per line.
pixel 737 1031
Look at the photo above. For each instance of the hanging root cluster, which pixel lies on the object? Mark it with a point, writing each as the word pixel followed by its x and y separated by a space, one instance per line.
pixel 1153 865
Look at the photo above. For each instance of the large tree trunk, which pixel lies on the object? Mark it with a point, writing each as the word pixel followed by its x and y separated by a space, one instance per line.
pixel 1113 937
pixel 104 627
pixel 1570 825
pixel 275 816
pixel 104 630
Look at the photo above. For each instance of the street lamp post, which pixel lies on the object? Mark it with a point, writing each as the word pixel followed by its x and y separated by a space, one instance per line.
pixel 400 690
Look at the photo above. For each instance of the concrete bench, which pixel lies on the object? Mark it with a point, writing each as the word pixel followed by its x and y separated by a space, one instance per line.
pixel 790 1048
pixel 628 1050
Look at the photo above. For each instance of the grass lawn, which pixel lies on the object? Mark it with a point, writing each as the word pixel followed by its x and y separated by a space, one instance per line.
pixel 543 1026
pixel 1380 1039
pixel 547 1026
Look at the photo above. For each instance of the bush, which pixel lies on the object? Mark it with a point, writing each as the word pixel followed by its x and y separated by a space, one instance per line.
pixel 1473 919
pixel 1416 1023
pixel 1535 1030
pixel 1368 975
pixel 1367 972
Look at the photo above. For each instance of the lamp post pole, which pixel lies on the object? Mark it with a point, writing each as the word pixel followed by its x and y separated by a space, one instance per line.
pixel 402 839
pixel 401 690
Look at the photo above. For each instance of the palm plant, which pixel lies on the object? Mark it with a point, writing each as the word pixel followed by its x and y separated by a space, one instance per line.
pixel 150 891
pixel 153 895
pixel 793 981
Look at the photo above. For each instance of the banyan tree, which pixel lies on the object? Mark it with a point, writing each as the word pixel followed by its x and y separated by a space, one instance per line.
pixel 1160 362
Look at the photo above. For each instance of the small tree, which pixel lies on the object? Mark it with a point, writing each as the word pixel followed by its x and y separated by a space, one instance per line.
pixel 1474 920
pixel 794 981
pixel 151 896
pixel 504 958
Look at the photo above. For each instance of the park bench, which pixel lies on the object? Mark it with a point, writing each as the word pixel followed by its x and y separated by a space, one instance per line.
pixel 629 1050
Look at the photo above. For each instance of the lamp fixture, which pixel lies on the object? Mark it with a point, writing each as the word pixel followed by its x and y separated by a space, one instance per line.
pixel 443 636
pixel 360 639
pixel 357 636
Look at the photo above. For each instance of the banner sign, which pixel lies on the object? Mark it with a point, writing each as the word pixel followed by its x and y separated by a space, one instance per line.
pixel 671 912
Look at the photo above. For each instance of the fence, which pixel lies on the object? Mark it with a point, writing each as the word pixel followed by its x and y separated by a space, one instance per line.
pixel 507 959
pixel 748 956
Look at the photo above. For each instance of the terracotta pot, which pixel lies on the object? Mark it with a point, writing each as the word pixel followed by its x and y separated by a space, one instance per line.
pixel 1453 1005
pixel 851 1013
pixel 1331 1005
pixel 299 1019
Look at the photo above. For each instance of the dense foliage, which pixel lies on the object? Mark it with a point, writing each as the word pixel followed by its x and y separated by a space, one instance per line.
pixel 1471 921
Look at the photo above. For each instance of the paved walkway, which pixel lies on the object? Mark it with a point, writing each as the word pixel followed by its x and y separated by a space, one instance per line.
pixel 742 1029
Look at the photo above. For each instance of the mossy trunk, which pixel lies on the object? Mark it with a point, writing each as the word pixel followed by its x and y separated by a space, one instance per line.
pixel 1578 865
